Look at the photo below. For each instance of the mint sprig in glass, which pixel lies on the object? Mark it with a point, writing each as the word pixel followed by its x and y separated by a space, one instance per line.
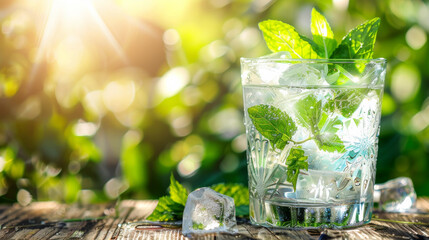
pixel 312 113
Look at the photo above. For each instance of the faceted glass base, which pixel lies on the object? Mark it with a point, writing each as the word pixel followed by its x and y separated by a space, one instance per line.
pixel 337 216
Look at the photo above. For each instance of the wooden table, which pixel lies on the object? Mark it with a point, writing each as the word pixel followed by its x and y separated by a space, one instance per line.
pixel 50 220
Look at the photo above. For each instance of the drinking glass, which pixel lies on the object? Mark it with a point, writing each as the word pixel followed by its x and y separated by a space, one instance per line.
pixel 312 131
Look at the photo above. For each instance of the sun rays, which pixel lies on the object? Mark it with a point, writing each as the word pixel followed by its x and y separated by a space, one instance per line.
pixel 106 32
pixel 79 19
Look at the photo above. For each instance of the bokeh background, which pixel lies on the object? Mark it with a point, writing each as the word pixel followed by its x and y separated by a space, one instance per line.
pixel 101 100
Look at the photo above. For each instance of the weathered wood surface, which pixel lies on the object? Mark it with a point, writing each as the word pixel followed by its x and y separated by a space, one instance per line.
pixel 50 220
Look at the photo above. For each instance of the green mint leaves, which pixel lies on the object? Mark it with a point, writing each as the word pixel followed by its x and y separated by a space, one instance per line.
pixel 281 36
pixel 178 193
pixel 167 210
pixel 313 114
pixel 238 192
pixel 197 226
pixel 309 111
pixel 346 102
pixel 295 162
pixel 278 127
pixel 272 123
pixel 322 34
pixel 357 44
pixel 170 207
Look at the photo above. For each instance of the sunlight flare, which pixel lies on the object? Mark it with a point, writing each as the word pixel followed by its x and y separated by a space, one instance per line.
pixel 78 19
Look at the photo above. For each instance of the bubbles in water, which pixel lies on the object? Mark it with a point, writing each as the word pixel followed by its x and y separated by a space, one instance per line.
pixel 357 181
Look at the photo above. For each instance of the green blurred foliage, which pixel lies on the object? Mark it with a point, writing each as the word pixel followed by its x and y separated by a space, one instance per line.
pixel 81 124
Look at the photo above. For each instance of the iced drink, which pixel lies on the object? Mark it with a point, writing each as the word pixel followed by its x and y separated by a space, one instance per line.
pixel 312 132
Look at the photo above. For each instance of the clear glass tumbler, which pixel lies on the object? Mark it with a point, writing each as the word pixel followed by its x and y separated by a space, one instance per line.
pixel 312 132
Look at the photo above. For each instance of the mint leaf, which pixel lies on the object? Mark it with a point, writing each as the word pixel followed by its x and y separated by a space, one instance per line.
pixel 359 42
pixel 178 193
pixel 238 192
pixel 329 142
pixel 347 101
pixel 327 123
pixel 167 210
pixel 311 116
pixel 273 124
pixel 327 139
pixel 313 45
pixel 341 73
pixel 280 36
pixel 295 162
pixel 356 120
pixel 322 34
pixel 309 110
pixel 197 226
pixel 242 211
pixel 170 208
pixel 332 77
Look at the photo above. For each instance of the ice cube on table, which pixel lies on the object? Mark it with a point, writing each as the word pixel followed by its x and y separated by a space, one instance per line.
pixel 396 195
pixel 207 211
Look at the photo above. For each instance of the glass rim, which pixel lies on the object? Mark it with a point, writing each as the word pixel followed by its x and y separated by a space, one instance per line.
pixel 304 60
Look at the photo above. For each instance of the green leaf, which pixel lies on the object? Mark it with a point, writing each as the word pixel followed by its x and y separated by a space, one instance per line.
pixel 322 34
pixel 167 210
pixel 316 48
pixel 197 226
pixel 178 193
pixel 170 208
pixel 359 42
pixel 327 123
pixel 309 110
pixel 242 211
pixel 280 36
pixel 314 117
pixel 347 101
pixel 341 73
pixel 327 139
pixel 272 123
pixel 332 77
pixel 295 162
pixel 330 142
pixel 356 120
pixel 238 192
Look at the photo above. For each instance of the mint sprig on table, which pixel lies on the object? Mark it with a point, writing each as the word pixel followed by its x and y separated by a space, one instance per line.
pixel 276 125
pixel 170 207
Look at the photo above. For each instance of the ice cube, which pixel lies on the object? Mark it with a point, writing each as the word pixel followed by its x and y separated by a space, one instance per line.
pixel 266 70
pixel 373 74
pixel 299 74
pixel 279 68
pixel 270 72
pixel 396 195
pixel 207 211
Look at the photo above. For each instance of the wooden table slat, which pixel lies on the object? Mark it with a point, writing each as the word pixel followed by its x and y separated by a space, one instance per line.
pixel 50 220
